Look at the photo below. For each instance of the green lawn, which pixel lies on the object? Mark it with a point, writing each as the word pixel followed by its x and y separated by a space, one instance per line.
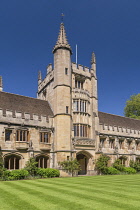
pixel 88 192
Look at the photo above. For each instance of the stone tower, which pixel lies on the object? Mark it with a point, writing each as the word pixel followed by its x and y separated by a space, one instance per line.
pixel 94 99
pixel 62 97
pixel 71 90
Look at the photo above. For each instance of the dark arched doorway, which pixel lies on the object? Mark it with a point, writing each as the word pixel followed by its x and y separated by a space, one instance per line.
pixel 83 161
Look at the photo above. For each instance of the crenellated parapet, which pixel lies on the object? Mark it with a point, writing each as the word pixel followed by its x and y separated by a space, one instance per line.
pixel 81 70
pixel 13 117
pixel 47 80
pixel 118 130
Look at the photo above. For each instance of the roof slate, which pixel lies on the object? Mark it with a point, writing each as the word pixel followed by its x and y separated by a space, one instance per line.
pixel 115 120
pixel 23 104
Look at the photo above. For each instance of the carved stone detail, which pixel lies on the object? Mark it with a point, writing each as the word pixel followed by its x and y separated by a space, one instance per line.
pixel 84 142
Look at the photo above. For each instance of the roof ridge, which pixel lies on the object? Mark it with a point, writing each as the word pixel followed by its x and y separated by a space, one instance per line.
pixel 22 96
pixel 119 116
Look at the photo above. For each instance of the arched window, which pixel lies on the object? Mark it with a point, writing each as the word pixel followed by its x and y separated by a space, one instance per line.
pixel 123 159
pixel 42 161
pixel 11 162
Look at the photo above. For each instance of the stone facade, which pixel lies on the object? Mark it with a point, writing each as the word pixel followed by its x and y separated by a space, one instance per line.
pixel 64 122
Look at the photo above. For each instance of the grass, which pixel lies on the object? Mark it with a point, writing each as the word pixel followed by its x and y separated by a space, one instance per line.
pixel 88 192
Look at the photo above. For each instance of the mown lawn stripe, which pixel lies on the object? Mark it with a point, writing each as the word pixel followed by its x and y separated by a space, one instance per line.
pixel 118 192
pixel 48 197
pixel 99 185
pixel 107 197
pixel 98 192
pixel 14 201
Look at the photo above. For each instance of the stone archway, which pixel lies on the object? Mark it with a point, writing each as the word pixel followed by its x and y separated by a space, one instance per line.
pixel 12 162
pixel 84 160
pixel 42 160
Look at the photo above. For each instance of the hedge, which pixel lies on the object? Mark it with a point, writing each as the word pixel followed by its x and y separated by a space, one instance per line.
pixel 129 170
pixel 112 171
pixel 15 174
pixel 48 172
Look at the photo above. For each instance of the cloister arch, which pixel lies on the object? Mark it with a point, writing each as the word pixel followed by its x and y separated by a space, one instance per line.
pixel 43 161
pixel 12 161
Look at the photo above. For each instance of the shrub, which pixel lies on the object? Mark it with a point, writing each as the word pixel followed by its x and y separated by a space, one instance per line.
pixel 135 165
pixel 101 164
pixel 1 164
pixel 19 174
pixel 6 174
pixel 117 164
pixel 71 166
pixel 15 174
pixel 130 170
pixel 31 166
pixel 1 172
pixel 48 172
pixel 112 171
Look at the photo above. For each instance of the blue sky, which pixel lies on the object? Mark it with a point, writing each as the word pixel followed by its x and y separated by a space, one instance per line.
pixel 110 28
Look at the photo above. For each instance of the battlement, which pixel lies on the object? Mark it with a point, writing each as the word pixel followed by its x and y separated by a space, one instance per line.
pixel 117 130
pixel 49 68
pixel 49 77
pixel 80 69
pixel 23 118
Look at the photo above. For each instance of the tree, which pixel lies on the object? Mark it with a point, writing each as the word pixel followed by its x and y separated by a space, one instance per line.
pixel 118 165
pixel 1 163
pixel 31 166
pixel 101 164
pixel 71 166
pixel 132 108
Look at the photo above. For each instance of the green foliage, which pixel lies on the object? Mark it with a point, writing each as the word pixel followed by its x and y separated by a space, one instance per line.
pixel 101 164
pixel 48 172
pixel 112 171
pixel 31 166
pixel 15 174
pixel 129 170
pixel 117 164
pixel 1 164
pixel 71 166
pixel 135 165
pixel 132 108
pixel 1 159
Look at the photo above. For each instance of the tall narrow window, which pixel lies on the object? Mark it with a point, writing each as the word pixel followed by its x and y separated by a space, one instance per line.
pixel 66 71
pixel 85 106
pixel 74 126
pixel 81 130
pixel 44 137
pixel 75 83
pixel 67 109
pixel 79 84
pixel 8 135
pixel 22 135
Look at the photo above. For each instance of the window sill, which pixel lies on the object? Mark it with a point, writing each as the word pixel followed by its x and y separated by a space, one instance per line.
pixel 77 112
pixel 22 142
